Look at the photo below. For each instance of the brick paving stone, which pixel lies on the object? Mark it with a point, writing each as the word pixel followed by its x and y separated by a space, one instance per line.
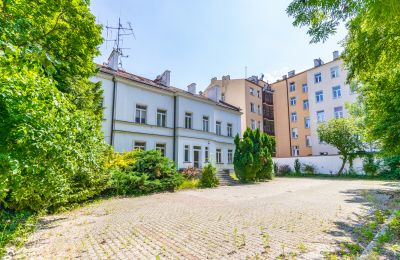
pixel 302 217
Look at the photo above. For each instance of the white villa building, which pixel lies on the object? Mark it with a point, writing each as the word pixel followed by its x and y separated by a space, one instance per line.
pixel 190 129
pixel 328 95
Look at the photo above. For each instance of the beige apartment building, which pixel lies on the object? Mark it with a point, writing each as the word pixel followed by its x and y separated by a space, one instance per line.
pixel 243 93
pixel 291 115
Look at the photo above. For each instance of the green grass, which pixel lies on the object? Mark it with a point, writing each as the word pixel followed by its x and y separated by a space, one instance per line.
pixel 15 227
pixel 189 184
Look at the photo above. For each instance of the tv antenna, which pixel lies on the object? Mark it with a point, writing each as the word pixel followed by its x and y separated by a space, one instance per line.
pixel 119 38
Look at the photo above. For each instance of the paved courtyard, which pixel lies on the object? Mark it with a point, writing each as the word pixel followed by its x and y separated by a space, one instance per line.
pixel 288 216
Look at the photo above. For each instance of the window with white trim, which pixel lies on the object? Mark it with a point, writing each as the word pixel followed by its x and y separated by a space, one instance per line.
pixel 293 117
pixel 304 88
pixel 187 153
pixel 320 116
pixel 230 156
pixel 161 117
pixel 188 120
pixel 334 72
pixel 161 148
pixel 292 86
pixel 229 130
pixel 141 114
pixel 294 133
pixel 317 77
pixel 293 101
pixel 338 112
pixel 252 107
pixel 307 122
pixel 306 105
pixel 219 156
pixel 319 96
pixel 336 92
pixel 218 128
pixel 253 124
pixel 205 124
pixel 308 141
pixel 139 145
pixel 206 154
pixel 295 150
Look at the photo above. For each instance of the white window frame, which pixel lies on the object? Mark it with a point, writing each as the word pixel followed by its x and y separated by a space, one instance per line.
pixel 318 77
pixel 188 120
pixel 321 119
pixel 229 129
pixel 307 122
pixel 218 126
pixel 206 154
pixel 336 92
pixel 218 155
pixel 304 88
pixel 319 96
pixel 252 107
pixel 161 117
pixel 186 153
pixel 292 86
pixel 334 72
pixel 339 113
pixel 251 90
pixel 140 145
pixel 230 156
pixel 293 101
pixel 293 117
pixel 162 147
pixel 294 133
pixel 295 150
pixel 253 124
pixel 306 107
pixel 308 140
pixel 141 114
pixel 206 124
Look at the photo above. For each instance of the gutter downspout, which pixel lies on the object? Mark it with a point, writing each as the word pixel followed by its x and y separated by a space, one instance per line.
pixel 288 114
pixel 174 134
pixel 113 110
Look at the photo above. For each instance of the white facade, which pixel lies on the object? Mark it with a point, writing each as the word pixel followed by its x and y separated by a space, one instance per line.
pixel 329 80
pixel 138 106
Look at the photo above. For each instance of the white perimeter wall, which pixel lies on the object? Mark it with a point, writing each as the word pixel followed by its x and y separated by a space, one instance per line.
pixel 323 164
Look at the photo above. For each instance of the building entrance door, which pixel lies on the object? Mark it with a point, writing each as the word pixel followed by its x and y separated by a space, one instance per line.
pixel 196 156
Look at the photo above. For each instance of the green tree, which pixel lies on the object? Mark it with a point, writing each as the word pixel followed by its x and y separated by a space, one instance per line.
pixel 51 145
pixel 343 135
pixel 372 56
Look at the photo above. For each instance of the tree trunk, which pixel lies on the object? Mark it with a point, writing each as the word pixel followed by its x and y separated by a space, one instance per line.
pixel 342 167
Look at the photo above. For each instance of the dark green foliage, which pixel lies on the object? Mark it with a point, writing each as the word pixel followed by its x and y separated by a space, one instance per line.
pixel 142 172
pixel 209 177
pixel 52 151
pixel 253 156
pixel 391 167
pixel 297 166
pixel 308 169
pixel 370 165
pixel 284 170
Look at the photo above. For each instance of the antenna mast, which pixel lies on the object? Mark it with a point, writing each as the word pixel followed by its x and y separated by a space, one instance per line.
pixel 118 41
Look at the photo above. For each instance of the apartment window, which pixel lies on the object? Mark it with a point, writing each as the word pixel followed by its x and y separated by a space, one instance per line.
pixel 336 93
pixel 139 145
pixel 253 124
pixel 219 156
pixel 259 109
pixel 187 153
pixel 304 88
pixel 338 112
pixel 252 107
pixel 141 114
pixel 223 97
pixel 161 118
pixel 259 124
pixel 218 128
pixel 293 101
pixel 319 96
pixel 258 93
pixel 305 104
pixel 295 150
pixel 230 156
pixel 188 120
pixel 308 141
pixel 307 122
pixel 317 77
pixel 205 124
pixel 321 116
pixel 334 72
pixel 252 91
pixel 229 130
pixel 294 133
pixel 161 148
pixel 206 154
pixel 292 87
pixel 293 117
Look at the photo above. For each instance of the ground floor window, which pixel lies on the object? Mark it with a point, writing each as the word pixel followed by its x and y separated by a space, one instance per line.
pixel 230 156
pixel 161 148
pixel 206 154
pixel 139 145
pixel 187 153
pixel 219 156
pixel 295 150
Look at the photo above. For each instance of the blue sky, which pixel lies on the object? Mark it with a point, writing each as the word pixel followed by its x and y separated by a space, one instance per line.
pixel 201 39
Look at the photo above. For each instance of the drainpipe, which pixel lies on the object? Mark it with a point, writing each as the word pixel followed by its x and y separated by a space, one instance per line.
pixel 288 114
pixel 113 110
pixel 174 134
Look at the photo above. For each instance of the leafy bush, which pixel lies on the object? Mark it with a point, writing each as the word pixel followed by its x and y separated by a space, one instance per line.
pixel 189 173
pixel 275 168
pixel 189 184
pixel 284 170
pixel 253 156
pixel 143 172
pixel 391 167
pixel 370 165
pixel 297 166
pixel 209 177
pixel 308 169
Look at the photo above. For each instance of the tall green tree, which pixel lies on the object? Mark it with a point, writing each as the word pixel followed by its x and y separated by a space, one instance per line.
pixel 372 56
pixel 344 136
pixel 51 145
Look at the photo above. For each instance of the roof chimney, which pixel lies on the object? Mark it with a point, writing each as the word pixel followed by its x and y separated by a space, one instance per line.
pixel 192 88
pixel 113 60
pixel 318 62
pixel 284 77
pixel 291 73
pixel 213 79
pixel 262 76
pixel 164 79
pixel 227 77
pixel 335 55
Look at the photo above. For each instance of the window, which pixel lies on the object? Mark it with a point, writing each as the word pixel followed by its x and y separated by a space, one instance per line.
pixel 294 133
pixel 229 130
pixel 304 88
pixel 295 150
pixel 219 156
pixel 338 112
pixel 293 117
pixel 305 104
pixel 139 145
pixel 317 77
pixel 161 118
pixel 205 124
pixel 223 97
pixel 230 156
pixel 321 116
pixel 206 155
pixel 161 148
pixel 259 109
pixel 141 114
pixel 308 141
pixel 259 124
pixel 252 91
pixel 336 93
pixel 292 87
pixel 187 153
pixel 307 122
pixel 218 128
pixel 293 101
pixel 188 120
pixel 253 124
pixel 258 93
pixel 252 107
pixel 319 96
pixel 334 72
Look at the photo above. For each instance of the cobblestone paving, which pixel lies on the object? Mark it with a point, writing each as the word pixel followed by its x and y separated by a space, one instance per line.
pixel 287 216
